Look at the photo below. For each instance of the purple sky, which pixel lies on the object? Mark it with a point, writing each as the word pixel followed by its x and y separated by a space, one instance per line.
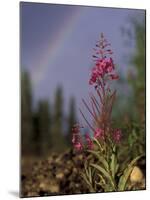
pixel 57 42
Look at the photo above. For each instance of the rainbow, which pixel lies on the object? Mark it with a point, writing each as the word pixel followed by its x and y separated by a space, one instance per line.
pixel 53 48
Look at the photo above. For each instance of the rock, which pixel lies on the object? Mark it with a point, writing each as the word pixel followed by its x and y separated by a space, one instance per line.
pixel 74 170
pixel 60 176
pixel 42 186
pixel 54 188
pixel 40 177
pixel 136 175
pixel 49 186
pixel 66 171
pixel 32 194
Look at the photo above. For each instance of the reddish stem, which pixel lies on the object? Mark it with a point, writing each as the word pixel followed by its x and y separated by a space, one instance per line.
pixel 87 121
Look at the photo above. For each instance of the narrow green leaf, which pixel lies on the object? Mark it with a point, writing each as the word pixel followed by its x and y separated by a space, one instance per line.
pixel 85 179
pixel 113 164
pixel 101 170
pixel 98 144
pixel 87 182
pixel 90 175
pixel 105 173
pixel 124 178
pixel 101 159
pixel 117 167
pixel 102 179
pixel 86 168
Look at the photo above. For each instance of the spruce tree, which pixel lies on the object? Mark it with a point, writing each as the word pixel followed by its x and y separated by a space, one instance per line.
pixel 139 61
pixel 58 141
pixel 44 123
pixel 71 119
pixel 26 114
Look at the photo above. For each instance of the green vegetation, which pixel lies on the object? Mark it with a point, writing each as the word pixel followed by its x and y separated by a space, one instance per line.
pixel 26 114
pixel 42 129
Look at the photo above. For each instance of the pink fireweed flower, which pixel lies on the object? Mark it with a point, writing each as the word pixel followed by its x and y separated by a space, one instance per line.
pixel 102 67
pixel 99 133
pixel 104 64
pixel 89 141
pixel 117 135
pixel 78 146
pixel 97 72
pixel 76 138
pixel 109 65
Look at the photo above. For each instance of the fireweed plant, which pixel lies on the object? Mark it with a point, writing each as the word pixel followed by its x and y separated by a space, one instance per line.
pixel 100 146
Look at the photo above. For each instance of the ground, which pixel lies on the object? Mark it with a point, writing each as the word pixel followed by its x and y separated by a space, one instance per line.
pixel 58 174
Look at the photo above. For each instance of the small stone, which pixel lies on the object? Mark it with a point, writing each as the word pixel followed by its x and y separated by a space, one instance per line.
pixel 60 176
pixel 54 188
pixel 42 186
pixel 77 185
pixel 58 160
pixel 75 170
pixel 66 171
pixel 40 177
pixel 136 175
pixel 47 186
pixel 32 194
pixel 69 162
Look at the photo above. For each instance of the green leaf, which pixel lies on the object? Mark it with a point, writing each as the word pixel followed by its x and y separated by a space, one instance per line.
pixel 87 182
pixel 90 174
pixel 102 179
pixel 100 158
pixel 102 170
pixel 105 174
pixel 113 164
pixel 85 178
pixel 124 178
pixel 86 168
pixel 130 140
pixel 98 144
pixel 101 182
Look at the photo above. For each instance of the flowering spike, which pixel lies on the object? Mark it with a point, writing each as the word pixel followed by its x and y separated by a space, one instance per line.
pixel 101 107
pixel 117 135
pixel 89 141
pixel 99 133
pixel 76 138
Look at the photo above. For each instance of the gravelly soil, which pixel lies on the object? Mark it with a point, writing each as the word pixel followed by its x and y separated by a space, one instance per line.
pixel 56 175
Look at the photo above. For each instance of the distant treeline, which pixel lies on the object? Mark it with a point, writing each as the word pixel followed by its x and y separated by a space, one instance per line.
pixel 45 128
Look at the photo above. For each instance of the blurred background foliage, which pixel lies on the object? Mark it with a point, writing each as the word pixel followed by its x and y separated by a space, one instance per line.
pixel 46 128
pixel 134 117
pixel 139 61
